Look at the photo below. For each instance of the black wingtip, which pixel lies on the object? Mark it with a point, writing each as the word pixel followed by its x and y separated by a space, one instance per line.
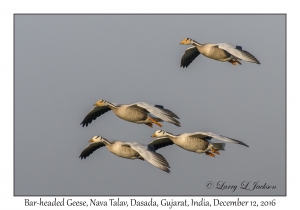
pixel 159 106
pixel 239 47
pixel 184 66
pixel 242 143
pixel 84 124
pixel 177 124
pixel 237 141
pixel 166 170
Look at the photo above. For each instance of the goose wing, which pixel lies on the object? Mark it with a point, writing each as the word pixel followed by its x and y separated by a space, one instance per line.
pixel 160 142
pixel 238 52
pixel 97 111
pixel 154 117
pixel 189 55
pixel 157 111
pixel 90 149
pixel 203 135
pixel 167 111
pixel 152 157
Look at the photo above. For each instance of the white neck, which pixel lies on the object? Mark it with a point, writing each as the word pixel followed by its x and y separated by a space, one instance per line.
pixel 196 43
pixel 109 104
pixel 106 142
pixel 170 134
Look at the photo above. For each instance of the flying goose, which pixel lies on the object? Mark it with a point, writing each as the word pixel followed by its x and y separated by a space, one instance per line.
pixel 141 113
pixel 221 52
pixel 130 150
pixel 198 142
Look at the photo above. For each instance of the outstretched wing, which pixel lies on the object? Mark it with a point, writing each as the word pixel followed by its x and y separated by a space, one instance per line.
pixel 90 149
pixel 152 157
pixel 189 55
pixel 160 142
pixel 167 111
pixel 203 135
pixel 161 113
pixel 97 111
pixel 237 52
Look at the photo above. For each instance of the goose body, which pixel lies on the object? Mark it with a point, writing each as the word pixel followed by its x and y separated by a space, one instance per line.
pixel 131 114
pixel 220 52
pixel 129 150
pixel 198 142
pixel 122 150
pixel 190 143
pixel 140 113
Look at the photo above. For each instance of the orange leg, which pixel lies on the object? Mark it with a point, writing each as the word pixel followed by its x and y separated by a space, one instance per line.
pixel 155 122
pixel 149 124
pixel 234 61
pixel 215 151
pixel 210 154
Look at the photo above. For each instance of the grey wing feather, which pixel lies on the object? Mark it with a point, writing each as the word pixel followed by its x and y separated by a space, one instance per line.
pixel 169 112
pixel 154 117
pixel 189 55
pixel 152 157
pixel 164 114
pixel 219 137
pixel 237 52
pixel 160 142
pixel 90 149
pixel 93 114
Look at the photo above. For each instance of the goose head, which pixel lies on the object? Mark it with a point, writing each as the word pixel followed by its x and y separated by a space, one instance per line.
pixel 187 41
pixel 159 133
pixel 100 103
pixel 96 139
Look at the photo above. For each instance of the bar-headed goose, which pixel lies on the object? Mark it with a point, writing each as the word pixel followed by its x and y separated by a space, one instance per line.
pixel 198 142
pixel 221 52
pixel 141 113
pixel 130 150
